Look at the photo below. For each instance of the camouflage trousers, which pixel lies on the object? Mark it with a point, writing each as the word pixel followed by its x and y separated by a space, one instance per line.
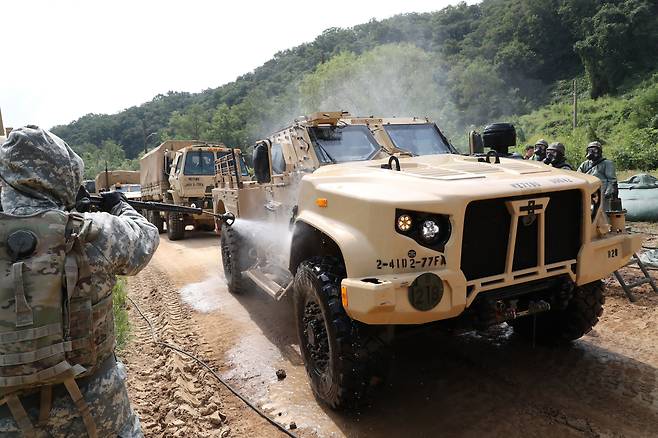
pixel 106 394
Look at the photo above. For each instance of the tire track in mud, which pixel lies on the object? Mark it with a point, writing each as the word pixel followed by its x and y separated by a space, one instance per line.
pixel 174 396
pixel 474 384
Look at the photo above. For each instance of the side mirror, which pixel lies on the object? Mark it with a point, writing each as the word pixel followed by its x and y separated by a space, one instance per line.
pixel 261 159
pixel 167 163
pixel 475 144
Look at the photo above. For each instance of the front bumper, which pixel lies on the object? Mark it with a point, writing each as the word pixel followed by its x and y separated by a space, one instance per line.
pixel 384 299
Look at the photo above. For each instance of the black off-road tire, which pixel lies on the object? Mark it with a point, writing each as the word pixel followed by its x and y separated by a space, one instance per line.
pixel 234 259
pixel 563 326
pixel 155 218
pixel 341 355
pixel 175 226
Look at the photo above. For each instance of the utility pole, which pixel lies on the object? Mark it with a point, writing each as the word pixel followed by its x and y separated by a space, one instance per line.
pixel 107 178
pixel 146 137
pixel 575 105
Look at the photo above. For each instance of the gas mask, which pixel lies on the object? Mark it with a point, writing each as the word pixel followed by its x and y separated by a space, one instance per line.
pixel 540 151
pixel 593 154
pixel 551 157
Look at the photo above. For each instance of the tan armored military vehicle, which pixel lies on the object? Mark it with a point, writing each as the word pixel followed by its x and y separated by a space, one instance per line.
pixel 181 172
pixel 367 241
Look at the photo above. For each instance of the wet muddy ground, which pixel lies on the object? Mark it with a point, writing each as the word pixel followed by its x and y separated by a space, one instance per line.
pixel 459 384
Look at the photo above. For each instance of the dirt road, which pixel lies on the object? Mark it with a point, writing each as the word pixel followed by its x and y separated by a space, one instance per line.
pixel 470 384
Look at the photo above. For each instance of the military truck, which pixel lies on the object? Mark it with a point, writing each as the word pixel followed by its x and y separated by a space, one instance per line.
pixel 181 172
pixel 125 181
pixel 368 240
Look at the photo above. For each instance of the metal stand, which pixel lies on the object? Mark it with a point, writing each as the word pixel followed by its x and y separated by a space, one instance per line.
pixel 635 260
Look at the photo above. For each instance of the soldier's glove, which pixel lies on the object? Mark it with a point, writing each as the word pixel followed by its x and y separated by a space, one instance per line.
pixel 110 199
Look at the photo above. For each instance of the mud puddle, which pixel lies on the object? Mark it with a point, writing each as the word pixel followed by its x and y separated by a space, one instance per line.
pixel 254 354
pixel 203 296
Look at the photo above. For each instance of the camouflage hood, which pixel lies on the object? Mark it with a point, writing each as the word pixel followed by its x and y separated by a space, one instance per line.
pixel 38 170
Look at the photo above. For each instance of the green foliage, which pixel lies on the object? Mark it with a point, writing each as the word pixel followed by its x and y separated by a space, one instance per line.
pixel 639 150
pixel 189 125
pixel 393 80
pixel 624 124
pixel 109 153
pixel 465 65
pixel 619 39
pixel 121 320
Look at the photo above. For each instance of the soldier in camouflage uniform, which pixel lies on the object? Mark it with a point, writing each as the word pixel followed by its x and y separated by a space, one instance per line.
pixel 602 168
pixel 540 150
pixel 40 172
pixel 555 156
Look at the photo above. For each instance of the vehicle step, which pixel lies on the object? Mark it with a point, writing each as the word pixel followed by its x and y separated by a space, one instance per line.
pixel 274 289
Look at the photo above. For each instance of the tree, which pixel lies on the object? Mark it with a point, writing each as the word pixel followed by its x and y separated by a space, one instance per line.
pixel 190 124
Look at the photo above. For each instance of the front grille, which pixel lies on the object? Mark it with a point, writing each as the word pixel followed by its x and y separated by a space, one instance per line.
pixel 486 232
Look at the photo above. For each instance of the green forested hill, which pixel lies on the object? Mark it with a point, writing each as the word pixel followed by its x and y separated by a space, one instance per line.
pixel 465 65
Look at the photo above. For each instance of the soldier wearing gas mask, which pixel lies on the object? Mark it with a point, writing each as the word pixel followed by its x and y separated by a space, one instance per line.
pixel 602 168
pixel 555 156
pixel 540 150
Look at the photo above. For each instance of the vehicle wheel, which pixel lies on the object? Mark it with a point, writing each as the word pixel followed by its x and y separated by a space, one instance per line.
pixel 155 218
pixel 339 353
pixel 568 324
pixel 234 259
pixel 175 226
pixel 205 227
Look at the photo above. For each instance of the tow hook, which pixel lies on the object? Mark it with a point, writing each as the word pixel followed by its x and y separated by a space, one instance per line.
pixel 508 312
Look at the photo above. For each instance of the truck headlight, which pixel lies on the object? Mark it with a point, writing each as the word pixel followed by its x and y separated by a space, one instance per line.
pixel 430 230
pixel 404 223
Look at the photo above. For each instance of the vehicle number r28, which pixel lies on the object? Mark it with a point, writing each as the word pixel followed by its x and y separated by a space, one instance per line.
pixel 612 253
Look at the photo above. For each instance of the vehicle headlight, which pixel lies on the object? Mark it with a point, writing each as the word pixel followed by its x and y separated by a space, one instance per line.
pixel 430 230
pixel 404 222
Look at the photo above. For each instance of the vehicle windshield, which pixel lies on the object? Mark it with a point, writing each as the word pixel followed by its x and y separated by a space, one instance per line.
pixel 341 144
pixel 90 186
pixel 199 163
pixel 129 188
pixel 243 165
pixel 419 139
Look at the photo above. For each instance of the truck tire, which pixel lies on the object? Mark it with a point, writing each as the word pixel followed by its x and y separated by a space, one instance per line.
pixel 563 326
pixel 339 353
pixel 234 259
pixel 155 218
pixel 175 226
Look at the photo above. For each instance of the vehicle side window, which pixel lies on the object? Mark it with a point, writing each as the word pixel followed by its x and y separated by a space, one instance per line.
pixel 178 163
pixel 278 162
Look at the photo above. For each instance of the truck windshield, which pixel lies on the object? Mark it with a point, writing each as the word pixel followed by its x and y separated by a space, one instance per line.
pixel 129 188
pixel 199 163
pixel 335 144
pixel 420 139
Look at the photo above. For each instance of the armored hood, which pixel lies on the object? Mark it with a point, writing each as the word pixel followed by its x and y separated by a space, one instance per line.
pixel 38 169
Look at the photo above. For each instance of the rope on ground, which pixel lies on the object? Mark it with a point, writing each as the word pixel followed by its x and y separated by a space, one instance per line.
pixel 643 232
pixel 207 367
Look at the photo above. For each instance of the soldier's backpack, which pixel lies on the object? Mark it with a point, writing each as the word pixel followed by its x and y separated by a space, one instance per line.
pixel 39 274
